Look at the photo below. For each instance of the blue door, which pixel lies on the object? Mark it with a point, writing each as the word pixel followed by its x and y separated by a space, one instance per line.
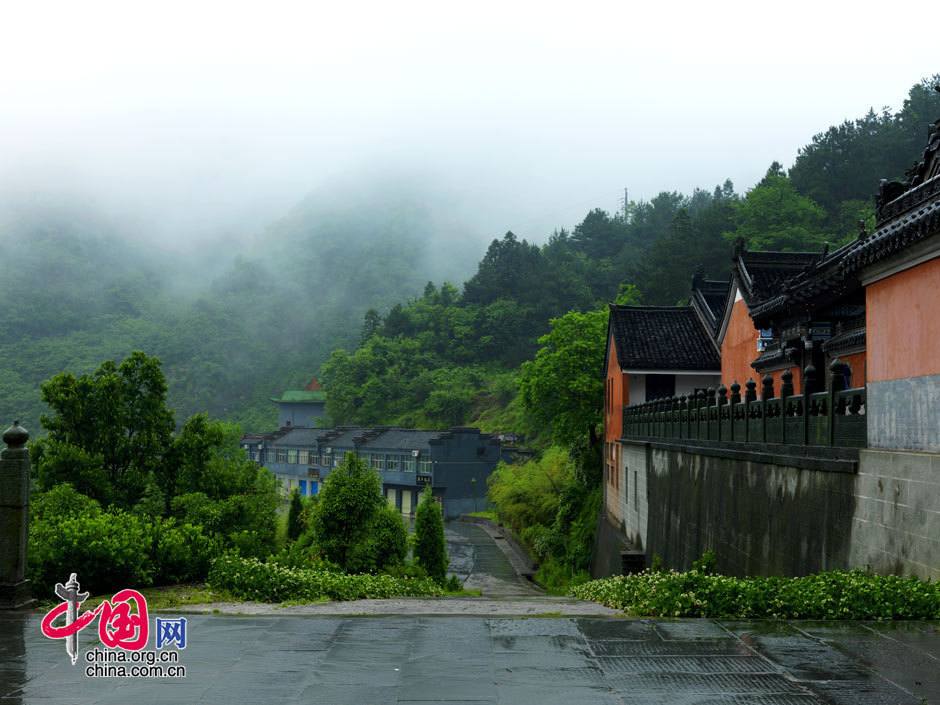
pixel 303 487
pixel 313 487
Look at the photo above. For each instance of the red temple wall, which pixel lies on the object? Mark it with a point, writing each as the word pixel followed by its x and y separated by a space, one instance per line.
pixel 903 325
pixel 739 347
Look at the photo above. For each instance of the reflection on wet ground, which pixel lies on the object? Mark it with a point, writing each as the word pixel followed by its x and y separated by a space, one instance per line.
pixel 400 659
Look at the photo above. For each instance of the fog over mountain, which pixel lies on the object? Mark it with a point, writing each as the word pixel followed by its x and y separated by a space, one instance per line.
pixel 231 185
pixel 215 118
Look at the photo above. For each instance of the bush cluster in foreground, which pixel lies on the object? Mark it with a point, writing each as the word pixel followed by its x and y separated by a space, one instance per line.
pixel 830 595
pixel 251 579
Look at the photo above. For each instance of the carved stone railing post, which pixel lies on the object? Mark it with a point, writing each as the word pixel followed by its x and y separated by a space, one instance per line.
pixel 766 394
pixel 809 388
pixel 750 390
pixel 735 401
pixel 750 397
pixel 786 390
pixel 767 388
pixel 722 402
pixel 838 382
pixel 14 519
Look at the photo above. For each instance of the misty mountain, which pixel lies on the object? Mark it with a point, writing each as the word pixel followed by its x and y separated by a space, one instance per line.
pixel 233 323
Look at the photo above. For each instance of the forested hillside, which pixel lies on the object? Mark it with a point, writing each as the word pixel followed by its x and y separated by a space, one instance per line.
pixel 232 327
pixel 452 356
pixel 235 325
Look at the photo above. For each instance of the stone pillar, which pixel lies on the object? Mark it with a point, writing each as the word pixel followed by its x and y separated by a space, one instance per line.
pixel 14 519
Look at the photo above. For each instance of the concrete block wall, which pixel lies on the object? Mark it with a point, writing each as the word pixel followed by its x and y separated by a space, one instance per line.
pixel 896 524
pixel 768 518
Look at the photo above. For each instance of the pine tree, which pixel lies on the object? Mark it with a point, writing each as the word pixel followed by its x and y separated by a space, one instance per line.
pixel 294 524
pixel 430 549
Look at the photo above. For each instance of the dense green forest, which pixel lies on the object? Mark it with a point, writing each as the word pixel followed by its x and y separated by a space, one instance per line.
pixel 232 327
pixel 452 356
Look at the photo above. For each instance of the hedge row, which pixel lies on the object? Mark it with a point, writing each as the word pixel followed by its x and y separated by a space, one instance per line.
pixel 251 579
pixel 829 595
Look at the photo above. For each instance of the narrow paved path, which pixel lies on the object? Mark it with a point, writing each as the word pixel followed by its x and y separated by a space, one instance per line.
pixel 482 564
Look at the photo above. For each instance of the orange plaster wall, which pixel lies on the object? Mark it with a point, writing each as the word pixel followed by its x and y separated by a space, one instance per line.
pixel 739 350
pixel 739 347
pixel 617 395
pixel 903 324
pixel 857 364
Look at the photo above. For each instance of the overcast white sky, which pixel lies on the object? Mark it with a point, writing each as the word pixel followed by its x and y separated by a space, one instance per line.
pixel 217 116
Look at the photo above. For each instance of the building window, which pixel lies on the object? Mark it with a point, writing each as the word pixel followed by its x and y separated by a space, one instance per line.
pixel 409 464
pixel 377 462
pixel 424 466
pixel 303 457
pixel 280 455
pixel 392 463
pixel 292 456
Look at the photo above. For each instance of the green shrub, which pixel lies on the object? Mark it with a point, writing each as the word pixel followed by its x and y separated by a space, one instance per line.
pixel 295 526
pixel 406 570
pixel 250 579
pixel 430 547
pixel 350 498
pixel 62 501
pixel 558 577
pixel 548 506
pixel 527 494
pixel 108 550
pixel 830 595
pixel 385 543
pixel 543 541
pixel 69 532
pixel 182 553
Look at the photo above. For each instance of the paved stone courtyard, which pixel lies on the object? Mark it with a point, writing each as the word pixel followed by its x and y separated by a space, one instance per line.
pixel 490 650
pixel 569 661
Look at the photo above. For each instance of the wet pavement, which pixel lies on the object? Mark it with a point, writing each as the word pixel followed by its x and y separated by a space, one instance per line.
pixel 407 659
pixel 482 564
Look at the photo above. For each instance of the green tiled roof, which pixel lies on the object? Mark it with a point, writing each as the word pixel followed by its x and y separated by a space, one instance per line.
pixel 300 396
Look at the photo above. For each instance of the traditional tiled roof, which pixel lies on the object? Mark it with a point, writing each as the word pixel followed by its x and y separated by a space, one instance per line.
pixel 761 275
pixel 709 297
pixel 773 357
pixel 907 213
pixel 348 437
pixel 849 340
pixel 661 338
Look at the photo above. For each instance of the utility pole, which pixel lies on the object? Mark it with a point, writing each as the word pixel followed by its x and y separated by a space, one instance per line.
pixel 625 202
